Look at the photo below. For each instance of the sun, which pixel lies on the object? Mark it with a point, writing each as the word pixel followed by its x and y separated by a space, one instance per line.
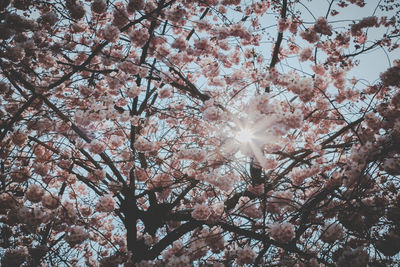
pixel 244 135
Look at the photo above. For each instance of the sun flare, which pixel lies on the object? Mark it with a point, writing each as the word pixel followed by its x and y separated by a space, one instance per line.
pixel 244 135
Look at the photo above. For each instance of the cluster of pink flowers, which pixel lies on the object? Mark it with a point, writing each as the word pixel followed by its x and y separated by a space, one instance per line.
pixel 20 175
pixel 75 8
pixel 34 193
pixel 310 35
pixel 245 255
pixel 197 249
pixel 223 182
pixel 366 22
pixel 299 175
pixel 7 201
pixel 96 147
pixel 128 67
pixel 120 15
pixel 248 207
pixel 139 37
pixel 133 91
pixel 105 204
pixel 282 232
pixel 178 261
pixel 201 212
pixel 76 235
pixel 110 33
pixel 134 5
pixel 16 53
pixel 49 201
pixel 41 168
pixel 332 232
pixel 303 87
pixel 15 256
pixel 194 154
pixel 142 145
pixel 283 24
pixel 176 14
pixel 97 175
pixel 212 114
pixel 392 166
pixel 141 175
pixel 214 238
pixel 99 6
pixel 305 54
pixel 391 77
pixel 161 180
pixel 19 138
pixel 321 26
pixel 166 93
pixel 280 200
pixel 355 257
pixel 180 44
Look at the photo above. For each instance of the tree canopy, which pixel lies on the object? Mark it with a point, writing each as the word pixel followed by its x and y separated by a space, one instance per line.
pixel 199 133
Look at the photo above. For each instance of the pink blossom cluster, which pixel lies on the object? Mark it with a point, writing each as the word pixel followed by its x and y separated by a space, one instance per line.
pixel 223 182
pixel 280 200
pixel 355 257
pixel 212 113
pixel 176 15
pixel 248 207
pixel 32 216
pixel 96 147
pixel 194 154
pixel 134 5
pixel 392 166
pixel 321 26
pixel 141 175
pixel 197 249
pixel 201 212
pixel 97 175
pixel 310 35
pixel 110 33
pixel 105 204
pixel 391 77
pixel 165 93
pixel 133 91
pixel 305 54
pixel 143 145
pixel 366 22
pixel 129 68
pixel 178 261
pixel 19 138
pixel 282 232
pixel 139 37
pixel 34 193
pixel 7 201
pixel 99 6
pixel 299 175
pixel 120 15
pixel 180 44
pixel 49 18
pixel 41 168
pixel 20 175
pixel 15 256
pixel 245 256
pixel 332 232
pixel 75 8
pixel 214 239
pixel 49 201
pixel 76 235
pixel 16 53
pixel 303 87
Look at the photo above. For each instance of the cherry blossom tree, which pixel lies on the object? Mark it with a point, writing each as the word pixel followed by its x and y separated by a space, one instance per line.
pixel 199 133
